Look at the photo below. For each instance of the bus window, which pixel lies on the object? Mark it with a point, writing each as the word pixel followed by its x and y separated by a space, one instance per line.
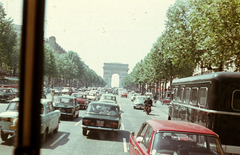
pixel 181 94
pixel 194 96
pixel 175 90
pixel 236 100
pixel 178 95
pixel 186 98
pixel 203 96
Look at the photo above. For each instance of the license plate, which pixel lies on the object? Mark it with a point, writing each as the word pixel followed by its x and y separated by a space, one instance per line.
pixel 12 127
pixel 100 123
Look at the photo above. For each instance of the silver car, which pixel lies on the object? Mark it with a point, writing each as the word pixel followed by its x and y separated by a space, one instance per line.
pixel 139 102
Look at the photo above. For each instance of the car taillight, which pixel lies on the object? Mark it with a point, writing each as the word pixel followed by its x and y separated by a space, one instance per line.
pixel 113 124
pixel 86 121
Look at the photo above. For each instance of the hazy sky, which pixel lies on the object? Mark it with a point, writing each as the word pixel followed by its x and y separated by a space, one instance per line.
pixel 102 31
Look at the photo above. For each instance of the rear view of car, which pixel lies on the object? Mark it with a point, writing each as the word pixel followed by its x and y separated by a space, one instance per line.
pixel 101 116
pixel 124 94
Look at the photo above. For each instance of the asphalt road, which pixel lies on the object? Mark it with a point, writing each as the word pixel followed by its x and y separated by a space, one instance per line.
pixel 69 139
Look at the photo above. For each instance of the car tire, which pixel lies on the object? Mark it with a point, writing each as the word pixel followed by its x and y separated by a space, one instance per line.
pixel 134 107
pixel 72 117
pixel 56 130
pixel 77 115
pixel 4 136
pixel 44 136
pixel 84 132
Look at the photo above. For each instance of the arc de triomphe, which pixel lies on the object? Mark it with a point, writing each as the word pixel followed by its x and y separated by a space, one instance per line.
pixel 114 68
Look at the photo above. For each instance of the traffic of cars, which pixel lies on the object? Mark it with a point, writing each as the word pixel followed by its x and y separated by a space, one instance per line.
pixel 103 113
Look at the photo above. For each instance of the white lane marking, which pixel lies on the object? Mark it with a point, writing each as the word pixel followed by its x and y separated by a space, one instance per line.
pixel 122 126
pixel 124 145
pixel 77 123
pixel 58 139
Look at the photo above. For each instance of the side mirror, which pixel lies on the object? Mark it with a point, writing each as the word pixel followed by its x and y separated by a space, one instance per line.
pixel 133 134
pixel 139 139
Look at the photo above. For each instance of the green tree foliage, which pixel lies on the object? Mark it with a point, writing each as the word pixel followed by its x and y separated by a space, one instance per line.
pixel 8 42
pixel 197 32
pixel 50 62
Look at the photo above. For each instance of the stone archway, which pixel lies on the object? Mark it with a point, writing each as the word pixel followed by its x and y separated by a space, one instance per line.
pixel 114 68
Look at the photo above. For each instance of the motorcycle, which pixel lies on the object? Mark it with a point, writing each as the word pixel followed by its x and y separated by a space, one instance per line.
pixel 148 109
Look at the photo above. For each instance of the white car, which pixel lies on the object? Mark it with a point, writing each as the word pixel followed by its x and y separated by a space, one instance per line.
pixel 110 98
pixel 149 94
pixel 139 102
pixel 49 119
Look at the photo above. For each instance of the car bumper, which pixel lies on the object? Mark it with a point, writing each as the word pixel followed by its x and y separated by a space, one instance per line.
pixel 139 106
pixel 8 131
pixel 66 114
pixel 98 128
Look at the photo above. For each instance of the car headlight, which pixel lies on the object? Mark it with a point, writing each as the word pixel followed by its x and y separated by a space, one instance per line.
pixel 15 121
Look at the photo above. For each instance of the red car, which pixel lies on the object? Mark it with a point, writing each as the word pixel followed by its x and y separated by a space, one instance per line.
pixel 166 137
pixel 124 94
pixel 165 101
pixel 81 100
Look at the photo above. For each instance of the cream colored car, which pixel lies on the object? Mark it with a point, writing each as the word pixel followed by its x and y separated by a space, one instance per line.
pixel 9 118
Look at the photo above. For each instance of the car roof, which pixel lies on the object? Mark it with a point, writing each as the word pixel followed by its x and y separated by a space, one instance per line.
pixel 179 126
pixel 71 97
pixel 43 101
pixel 105 103
pixel 108 95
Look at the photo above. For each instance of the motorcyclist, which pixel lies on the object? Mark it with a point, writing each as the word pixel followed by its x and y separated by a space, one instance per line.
pixel 147 102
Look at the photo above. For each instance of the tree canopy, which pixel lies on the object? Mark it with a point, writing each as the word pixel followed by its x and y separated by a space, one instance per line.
pixel 203 33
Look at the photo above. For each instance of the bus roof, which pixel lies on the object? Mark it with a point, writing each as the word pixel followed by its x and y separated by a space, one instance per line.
pixel 219 76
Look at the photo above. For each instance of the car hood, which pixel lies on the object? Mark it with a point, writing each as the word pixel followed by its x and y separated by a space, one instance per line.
pixel 9 114
pixel 98 116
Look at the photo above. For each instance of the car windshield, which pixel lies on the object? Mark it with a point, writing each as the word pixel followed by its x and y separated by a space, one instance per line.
pixel 63 101
pixel 187 143
pixel 3 90
pixel 141 98
pixel 77 95
pixel 13 106
pixel 102 109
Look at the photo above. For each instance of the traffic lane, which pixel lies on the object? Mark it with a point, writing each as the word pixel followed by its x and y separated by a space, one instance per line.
pixel 133 118
pixel 75 143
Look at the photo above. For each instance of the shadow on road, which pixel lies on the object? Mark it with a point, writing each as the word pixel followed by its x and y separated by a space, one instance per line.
pixel 9 142
pixel 77 119
pixel 55 140
pixel 109 136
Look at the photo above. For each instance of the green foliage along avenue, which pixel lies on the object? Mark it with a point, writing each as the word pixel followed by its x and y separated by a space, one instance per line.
pixel 204 33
